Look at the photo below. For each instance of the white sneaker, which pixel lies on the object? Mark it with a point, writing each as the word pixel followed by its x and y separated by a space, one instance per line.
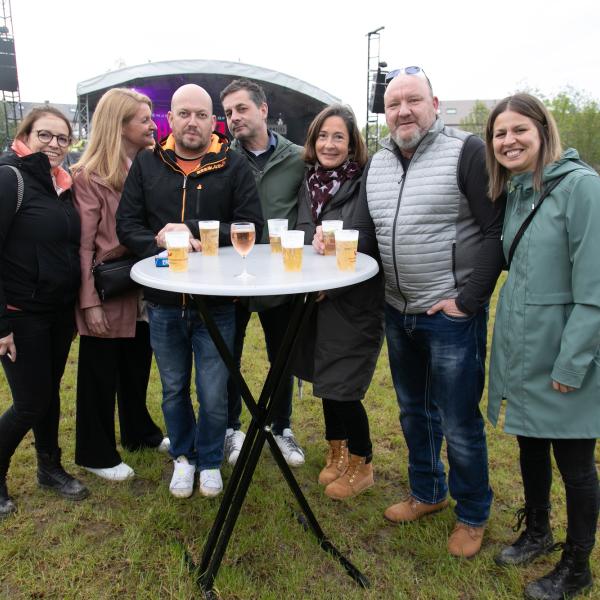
pixel 182 482
pixel 211 484
pixel 121 472
pixel 293 454
pixel 234 438
pixel 164 446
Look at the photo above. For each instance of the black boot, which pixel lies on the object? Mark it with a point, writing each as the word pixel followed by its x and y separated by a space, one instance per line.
pixel 533 542
pixel 52 476
pixel 7 506
pixel 569 577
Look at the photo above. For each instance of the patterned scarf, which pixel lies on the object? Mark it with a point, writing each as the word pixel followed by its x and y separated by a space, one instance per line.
pixel 323 184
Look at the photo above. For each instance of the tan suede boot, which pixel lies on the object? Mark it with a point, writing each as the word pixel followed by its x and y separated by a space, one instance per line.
pixel 337 461
pixel 357 477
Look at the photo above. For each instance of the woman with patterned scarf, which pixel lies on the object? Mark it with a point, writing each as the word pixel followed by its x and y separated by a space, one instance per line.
pixel 339 351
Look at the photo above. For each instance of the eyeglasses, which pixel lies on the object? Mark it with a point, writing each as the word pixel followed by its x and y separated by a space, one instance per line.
pixel 405 71
pixel 46 137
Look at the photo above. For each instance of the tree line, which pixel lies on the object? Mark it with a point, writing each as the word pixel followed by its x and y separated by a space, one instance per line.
pixel 577 116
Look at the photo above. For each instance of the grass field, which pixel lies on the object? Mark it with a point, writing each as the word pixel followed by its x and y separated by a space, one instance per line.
pixel 126 540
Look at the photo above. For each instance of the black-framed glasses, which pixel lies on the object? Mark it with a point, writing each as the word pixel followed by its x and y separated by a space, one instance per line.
pixel 414 70
pixel 46 137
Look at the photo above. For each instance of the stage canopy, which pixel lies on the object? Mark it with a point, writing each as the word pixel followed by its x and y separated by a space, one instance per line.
pixel 293 103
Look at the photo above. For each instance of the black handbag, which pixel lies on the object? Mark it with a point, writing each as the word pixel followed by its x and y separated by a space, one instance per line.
pixel 112 277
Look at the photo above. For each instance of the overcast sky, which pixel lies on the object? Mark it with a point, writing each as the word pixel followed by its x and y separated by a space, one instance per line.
pixel 470 49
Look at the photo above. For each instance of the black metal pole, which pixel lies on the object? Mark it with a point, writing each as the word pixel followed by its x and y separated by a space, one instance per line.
pixel 258 431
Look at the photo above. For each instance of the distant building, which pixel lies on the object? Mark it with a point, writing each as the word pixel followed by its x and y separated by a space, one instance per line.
pixel 452 112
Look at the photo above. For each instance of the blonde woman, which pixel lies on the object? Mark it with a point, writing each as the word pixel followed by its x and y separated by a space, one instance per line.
pixel 114 350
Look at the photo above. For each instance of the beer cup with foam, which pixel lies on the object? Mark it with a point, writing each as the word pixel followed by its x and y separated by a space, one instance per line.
pixel 209 237
pixel 346 243
pixel 177 249
pixel 329 227
pixel 292 245
pixel 276 226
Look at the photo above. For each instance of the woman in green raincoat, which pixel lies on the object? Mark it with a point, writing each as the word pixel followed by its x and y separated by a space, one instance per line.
pixel 545 360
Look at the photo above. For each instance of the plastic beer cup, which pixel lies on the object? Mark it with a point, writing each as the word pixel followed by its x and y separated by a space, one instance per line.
pixel 292 245
pixel 346 244
pixel 209 237
pixel 177 249
pixel 329 227
pixel 276 226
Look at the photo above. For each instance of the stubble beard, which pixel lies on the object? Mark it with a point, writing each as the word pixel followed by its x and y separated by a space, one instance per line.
pixel 411 143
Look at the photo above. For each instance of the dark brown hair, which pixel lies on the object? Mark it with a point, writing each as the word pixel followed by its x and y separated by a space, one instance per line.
pixel 255 91
pixel 550 147
pixel 358 148
pixel 37 112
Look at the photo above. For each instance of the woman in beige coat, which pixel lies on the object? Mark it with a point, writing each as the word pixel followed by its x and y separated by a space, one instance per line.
pixel 114 349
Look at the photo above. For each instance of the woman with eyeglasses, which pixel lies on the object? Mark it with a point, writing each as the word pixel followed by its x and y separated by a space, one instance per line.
pixel 545 360
pixel 114 348
pixel 339 351
pixel 39 279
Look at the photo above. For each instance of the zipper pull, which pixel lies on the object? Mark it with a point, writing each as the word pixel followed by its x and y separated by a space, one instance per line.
pixel 184 182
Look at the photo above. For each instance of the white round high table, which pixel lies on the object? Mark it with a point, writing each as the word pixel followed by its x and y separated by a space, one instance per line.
pixel 216 276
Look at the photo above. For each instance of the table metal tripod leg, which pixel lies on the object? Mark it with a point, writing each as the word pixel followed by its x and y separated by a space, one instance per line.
pixel 242 473
pixel 237 488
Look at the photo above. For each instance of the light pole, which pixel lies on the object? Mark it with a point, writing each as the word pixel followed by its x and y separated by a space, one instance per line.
pixel 371 34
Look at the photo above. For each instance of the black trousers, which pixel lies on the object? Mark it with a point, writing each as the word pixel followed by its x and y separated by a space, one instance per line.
pixel 110 367
pixel 42 342
pixel 274 322
pixel 575 461
pixel 347 420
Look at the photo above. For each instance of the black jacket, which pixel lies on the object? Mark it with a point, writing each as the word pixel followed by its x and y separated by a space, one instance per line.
pixel 39 244
pixel 157 192
pixel 339 349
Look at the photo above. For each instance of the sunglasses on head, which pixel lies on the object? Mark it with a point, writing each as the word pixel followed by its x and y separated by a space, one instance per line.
pixel 414 70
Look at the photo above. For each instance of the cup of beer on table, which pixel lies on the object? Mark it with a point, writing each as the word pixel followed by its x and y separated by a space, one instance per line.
pixel 209 237
pixel 178 243
pixel 346 244
pixel 292 244
pixel 329 227
pixel 276 226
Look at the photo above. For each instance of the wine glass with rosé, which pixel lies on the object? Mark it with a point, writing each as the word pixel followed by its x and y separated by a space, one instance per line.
pixel 243 237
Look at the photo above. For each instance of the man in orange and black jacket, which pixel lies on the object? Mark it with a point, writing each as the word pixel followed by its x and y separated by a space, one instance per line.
pixel 192 175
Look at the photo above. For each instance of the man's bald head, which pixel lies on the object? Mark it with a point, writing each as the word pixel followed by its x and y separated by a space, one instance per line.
pixel 410 111
pixel 192 121
pixel 190 92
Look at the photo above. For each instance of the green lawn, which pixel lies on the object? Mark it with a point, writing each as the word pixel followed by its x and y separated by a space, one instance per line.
pixel 125 541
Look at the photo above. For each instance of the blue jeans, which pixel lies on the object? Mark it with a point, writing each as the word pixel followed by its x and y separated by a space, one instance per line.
pixel 438 369
pixel 175 335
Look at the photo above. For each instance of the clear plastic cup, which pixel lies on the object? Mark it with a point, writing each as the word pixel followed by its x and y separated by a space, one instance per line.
pixel 209 237
pixel 276 226
pixel 178 243
pixel 329 227
pixel 346 244
pixel 292 245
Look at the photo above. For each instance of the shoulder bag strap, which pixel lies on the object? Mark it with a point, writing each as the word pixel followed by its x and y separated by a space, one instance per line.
pixel 20 186
pixel 546 192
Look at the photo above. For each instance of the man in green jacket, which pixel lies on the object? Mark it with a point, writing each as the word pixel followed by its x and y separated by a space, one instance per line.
pixel 278 170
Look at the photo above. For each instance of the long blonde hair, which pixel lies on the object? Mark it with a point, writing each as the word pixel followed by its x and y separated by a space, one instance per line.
pixel 105 153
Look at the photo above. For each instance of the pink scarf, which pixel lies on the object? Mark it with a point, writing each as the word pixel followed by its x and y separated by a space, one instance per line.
pixel 60 178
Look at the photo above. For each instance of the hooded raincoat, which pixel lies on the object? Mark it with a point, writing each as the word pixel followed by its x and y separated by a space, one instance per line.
pixel 548 314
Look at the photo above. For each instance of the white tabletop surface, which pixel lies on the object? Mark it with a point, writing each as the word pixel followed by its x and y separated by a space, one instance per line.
pixel 215 275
